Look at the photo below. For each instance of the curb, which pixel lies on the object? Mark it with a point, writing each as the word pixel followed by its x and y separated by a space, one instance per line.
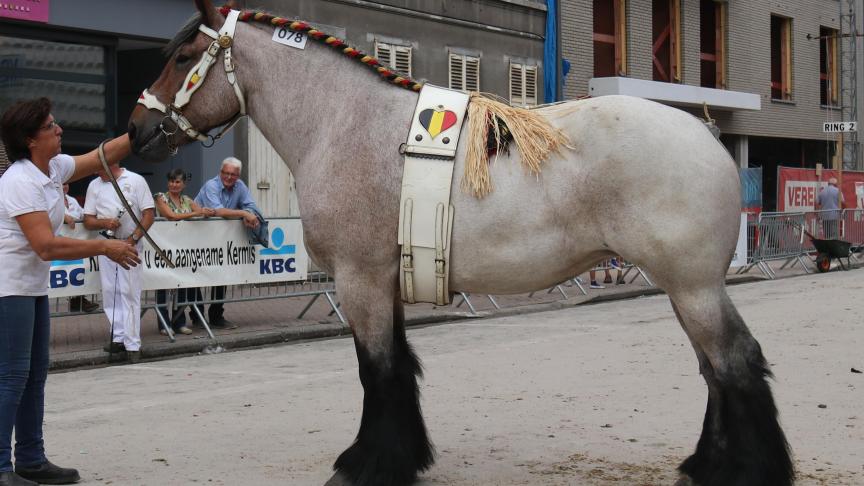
pixel 232 342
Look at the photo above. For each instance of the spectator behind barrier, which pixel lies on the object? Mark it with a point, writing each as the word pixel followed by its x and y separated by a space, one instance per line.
pixel 121 287
pixel 229 197
pixel 176 206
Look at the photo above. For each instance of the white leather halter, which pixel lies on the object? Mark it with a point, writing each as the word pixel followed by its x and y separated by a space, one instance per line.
pixel 221 40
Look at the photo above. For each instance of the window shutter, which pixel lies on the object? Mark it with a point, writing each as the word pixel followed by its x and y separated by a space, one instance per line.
pixel 384 53
pixel 402 61
pixel 456 72
pixel 516 85
pixel 523 85
pixel 472 74
pixel 464 73
pixel 530 85
pixel 397 57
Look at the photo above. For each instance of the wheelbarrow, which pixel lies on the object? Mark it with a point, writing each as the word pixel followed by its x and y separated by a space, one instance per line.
pixel 828 249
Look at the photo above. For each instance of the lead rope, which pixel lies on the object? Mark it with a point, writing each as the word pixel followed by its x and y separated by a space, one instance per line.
pixel 101 151
pixel 113 312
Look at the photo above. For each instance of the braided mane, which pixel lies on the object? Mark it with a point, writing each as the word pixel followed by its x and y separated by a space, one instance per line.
pixel 328 40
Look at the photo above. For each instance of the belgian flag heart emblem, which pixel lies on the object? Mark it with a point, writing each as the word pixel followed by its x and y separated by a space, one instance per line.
pixel 193 81
pixel 436 121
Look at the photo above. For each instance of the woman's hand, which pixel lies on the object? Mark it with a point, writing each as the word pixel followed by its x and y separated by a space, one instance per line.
pixel 69 220
pixel 208 212
pixel 122 252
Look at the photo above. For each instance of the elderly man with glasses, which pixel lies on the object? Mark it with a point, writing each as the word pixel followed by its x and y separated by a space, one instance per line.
pixel 229 197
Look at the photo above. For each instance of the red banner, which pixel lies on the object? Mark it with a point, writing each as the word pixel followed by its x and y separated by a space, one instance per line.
pixel 797 188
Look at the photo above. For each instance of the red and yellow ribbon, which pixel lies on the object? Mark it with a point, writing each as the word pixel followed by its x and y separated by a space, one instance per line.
pixel 328 40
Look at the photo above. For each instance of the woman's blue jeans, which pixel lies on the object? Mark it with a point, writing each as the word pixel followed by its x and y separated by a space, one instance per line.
pixel 25 333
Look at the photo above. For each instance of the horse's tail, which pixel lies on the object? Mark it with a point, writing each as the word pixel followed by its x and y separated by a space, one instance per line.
pixel 491 126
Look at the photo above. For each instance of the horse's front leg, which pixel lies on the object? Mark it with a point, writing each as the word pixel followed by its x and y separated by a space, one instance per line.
pixel 392 445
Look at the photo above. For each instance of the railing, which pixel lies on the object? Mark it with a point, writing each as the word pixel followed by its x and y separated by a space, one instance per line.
pixel 317 284
pixel 853 228
pixel 771 237
pixel 787 237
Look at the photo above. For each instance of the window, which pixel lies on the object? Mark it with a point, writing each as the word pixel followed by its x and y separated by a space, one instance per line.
pixel 781 58
pixel 523 85
pixel 610 52
pixel 712 44
pixel 29 66
pixel 464 72
pixel 666 47
pixel 828 86
pixel 397 57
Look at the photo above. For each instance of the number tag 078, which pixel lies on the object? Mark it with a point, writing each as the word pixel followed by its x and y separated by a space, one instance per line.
pixel 284 35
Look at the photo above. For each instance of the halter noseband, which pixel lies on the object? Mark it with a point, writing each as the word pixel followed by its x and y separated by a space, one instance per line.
pixel 223 39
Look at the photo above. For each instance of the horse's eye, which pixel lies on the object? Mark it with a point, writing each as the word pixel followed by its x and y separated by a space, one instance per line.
pixel 182 58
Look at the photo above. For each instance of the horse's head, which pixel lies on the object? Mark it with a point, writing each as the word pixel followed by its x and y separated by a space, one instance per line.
pixel 200 63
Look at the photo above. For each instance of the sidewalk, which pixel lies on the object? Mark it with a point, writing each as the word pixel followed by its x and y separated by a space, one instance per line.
pixel 76 341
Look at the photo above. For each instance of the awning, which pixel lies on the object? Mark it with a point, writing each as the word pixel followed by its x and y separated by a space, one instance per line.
pixel 675 94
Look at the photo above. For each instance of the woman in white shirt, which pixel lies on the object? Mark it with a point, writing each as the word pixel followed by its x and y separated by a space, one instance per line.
pixel 31 212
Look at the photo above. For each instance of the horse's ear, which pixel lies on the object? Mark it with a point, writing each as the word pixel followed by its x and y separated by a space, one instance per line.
pixel 209 14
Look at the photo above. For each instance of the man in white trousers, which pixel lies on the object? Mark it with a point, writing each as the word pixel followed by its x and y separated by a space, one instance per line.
pixel 121 289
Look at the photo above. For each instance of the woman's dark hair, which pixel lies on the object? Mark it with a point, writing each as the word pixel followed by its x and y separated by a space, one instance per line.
pixel 20 122
pixel 177 173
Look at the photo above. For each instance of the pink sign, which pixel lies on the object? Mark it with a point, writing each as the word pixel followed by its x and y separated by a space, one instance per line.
pixel 33 10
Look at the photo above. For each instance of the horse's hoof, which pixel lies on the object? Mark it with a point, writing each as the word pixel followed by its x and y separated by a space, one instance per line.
pixel 685 480
pixel 338 479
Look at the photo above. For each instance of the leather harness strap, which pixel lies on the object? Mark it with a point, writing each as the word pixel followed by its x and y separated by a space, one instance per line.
pixel 426 215
pixel 443 217
pixel 408 254
pixel 222 40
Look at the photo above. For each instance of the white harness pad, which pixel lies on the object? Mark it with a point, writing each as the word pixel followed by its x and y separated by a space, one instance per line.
pixel 426 215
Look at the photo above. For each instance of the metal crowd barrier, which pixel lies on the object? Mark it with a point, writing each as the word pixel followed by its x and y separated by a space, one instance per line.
pixel 770 237
pixel 752 235
pixel 784 236
pixel 317 284
pixel 623 268
pixel 780 237
pixel 853 228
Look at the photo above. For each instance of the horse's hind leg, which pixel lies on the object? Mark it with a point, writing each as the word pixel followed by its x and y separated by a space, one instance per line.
pixel 392 445
pixel 742 443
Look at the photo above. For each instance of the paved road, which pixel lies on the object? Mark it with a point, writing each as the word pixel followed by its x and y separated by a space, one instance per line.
pixel 598 395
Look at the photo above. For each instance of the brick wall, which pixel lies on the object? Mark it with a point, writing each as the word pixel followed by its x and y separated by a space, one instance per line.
pixel 577 45
pixel 748 58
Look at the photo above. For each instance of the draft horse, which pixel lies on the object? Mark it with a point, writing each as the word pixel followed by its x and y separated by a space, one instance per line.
pixel 638 179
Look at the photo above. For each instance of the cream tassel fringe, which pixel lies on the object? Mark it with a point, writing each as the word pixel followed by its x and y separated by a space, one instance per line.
pixel 534 137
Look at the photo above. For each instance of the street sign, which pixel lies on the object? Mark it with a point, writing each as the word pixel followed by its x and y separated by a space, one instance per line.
pixel 837 127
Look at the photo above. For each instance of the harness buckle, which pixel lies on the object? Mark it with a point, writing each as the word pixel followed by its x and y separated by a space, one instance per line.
pixel 439 267
pixel 213 50
pixel 407 262
pixel 162 126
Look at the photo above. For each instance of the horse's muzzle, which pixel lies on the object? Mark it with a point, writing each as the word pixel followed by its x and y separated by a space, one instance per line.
pixel 148 140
